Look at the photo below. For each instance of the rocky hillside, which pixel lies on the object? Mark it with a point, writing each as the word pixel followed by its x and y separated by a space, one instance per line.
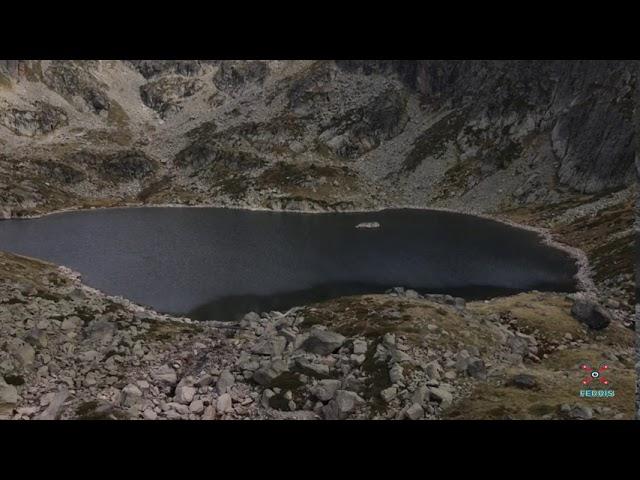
pixel 313 134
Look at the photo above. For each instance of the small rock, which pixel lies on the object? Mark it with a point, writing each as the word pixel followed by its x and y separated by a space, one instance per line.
pixel 580 412
pixel 209 413
pixel 396 374
pixel 359 347
pixel 8 397
pixel 71 323
pixel 388 394
pixel 421 395
pixel 325 389
pixel 224 403
pixel 196 407
pixel 343 404
pixel 524 381
pixel 130 396
pixel 433 370
pixel 22 351
pixel 54 410
pixel 477 369
pixel 415 412
pixel 165 374
pixel 225 381
pixel 184 394
pixel 149 414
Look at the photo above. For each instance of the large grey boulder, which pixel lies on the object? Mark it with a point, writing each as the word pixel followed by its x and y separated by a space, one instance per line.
pixel 590 313
pixel 323 342
pixel 270 345
pixel 441 396
pixel 268 373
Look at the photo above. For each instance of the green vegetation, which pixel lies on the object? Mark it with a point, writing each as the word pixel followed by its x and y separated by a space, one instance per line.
pixel 434 142
pixel 5 82
pixel 377 379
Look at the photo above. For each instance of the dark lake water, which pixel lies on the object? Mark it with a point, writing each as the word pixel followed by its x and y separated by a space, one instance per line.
pixel 218 264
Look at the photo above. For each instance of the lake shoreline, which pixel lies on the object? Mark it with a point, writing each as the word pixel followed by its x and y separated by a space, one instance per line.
pixel 583 276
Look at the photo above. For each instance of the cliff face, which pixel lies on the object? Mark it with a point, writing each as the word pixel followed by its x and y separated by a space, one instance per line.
pixel 486 134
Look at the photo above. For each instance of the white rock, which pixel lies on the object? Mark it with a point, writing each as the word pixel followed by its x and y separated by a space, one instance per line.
pixel 149 414
pixel 225 381
pixel 224 403
pixel 184 394
pixel 359 347
pixel 196 406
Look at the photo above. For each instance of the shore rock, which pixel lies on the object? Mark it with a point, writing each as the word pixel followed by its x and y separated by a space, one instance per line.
pixel 590 313
pixel 323 342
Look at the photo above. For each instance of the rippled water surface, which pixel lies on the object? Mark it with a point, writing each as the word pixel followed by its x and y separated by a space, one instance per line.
pixel 213 263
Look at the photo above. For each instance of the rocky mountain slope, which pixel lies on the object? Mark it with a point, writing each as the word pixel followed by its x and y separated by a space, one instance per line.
pixel 314 134
pixel 549 144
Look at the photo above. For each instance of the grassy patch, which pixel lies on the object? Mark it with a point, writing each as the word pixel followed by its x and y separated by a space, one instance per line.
pixel 87 411
pixel 560 379
pixel 377 379
pixel 434 142
pixel 15 380
pixel 5 82
pixel 117 116
pixel 154 189
pixel 167 330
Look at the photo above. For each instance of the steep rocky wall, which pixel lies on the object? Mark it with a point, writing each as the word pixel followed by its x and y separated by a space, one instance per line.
pixel 491 134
